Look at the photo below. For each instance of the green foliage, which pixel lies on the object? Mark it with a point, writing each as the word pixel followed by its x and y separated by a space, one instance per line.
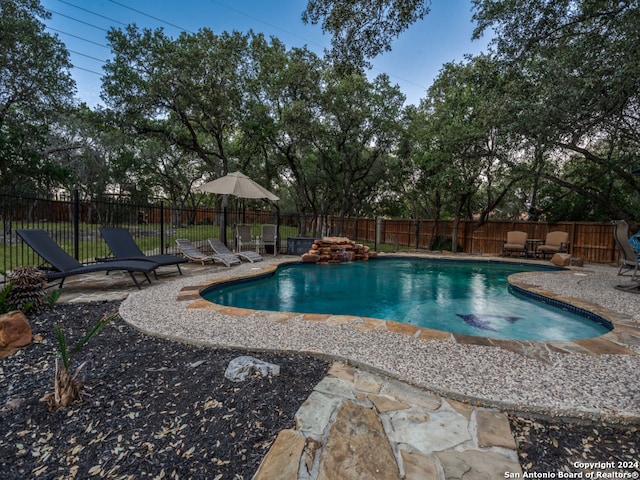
pixel 36 86
pixel 4 293
pixel 362 29
pixel 545 122
pixel 51 298
pixel 63 351
pixel 6 305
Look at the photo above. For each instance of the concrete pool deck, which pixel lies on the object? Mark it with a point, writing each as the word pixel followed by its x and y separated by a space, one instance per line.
pixel 438 398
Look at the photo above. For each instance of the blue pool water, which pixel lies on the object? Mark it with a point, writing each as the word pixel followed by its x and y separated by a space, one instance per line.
pixel 471 298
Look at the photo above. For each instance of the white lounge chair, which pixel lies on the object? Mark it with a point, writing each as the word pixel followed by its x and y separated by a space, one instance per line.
pixel 221 249
pixel 192 252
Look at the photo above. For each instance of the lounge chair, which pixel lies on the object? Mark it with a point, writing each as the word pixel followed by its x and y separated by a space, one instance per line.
pixel 64 265
pixel 516 242
pixel 221 249
pixel 628 256
pixel 244 239
pixel 124 247
pixel 269 237
pixel 192 252
pixel 555 242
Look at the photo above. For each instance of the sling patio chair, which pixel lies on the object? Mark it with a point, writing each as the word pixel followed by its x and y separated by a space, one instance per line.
pixel 555 242
pixel 244 239
pixel 516 242
pixel 192 252
pixel 124 247
pixel 269 238
pixel 628 256
pixel 221 249
pixel 64 265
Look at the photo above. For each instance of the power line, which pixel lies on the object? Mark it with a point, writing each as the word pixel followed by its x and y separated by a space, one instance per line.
pixel 151 16
pixel 266 23
pixel 218 3
pixel 78 20
pixel 86 70
pixel 88 56
pixel 94 13
pixel 79 38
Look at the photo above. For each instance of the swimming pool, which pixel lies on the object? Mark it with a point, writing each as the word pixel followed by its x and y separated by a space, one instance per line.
pixel 472 298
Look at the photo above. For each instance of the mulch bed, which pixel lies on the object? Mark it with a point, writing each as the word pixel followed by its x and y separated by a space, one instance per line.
pixel 546 446
pixel 154 408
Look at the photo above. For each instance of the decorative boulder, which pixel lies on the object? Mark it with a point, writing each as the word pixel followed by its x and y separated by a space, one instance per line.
pixel 561 259
pixel 337 250
pixel 241 367
pixel 310 258
pixel 15 332
pixel 576 262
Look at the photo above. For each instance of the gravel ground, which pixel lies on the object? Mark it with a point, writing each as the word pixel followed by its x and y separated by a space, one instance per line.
pixel 600 387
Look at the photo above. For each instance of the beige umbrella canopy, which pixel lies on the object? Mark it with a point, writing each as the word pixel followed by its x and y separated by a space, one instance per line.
pixel 237 184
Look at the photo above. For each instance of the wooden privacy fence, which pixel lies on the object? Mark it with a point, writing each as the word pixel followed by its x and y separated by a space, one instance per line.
pixel 593 242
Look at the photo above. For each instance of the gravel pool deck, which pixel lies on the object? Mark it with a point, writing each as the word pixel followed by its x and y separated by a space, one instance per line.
pixel 593 379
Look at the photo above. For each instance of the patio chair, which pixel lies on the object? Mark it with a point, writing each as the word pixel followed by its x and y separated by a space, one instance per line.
pixel 64 265
pixel 192 252
pixel 269 237
pixel 516 242
pixel 628 257
pixel 221 249
pixel 555 242
pixel 244 239
pixel 124 247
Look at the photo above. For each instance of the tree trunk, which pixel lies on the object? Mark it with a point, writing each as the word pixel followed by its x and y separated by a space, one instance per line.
pixel 66 389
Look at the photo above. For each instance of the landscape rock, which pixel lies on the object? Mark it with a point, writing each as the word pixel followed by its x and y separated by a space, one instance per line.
pixel 15 330
pixel 561 259
pixel 310 258
pixel 337 250
pixel 357 447
pixel 576 262
pixel 282 461
pixel 241 367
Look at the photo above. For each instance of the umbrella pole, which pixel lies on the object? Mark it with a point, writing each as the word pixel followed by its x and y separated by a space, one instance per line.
pixel 223 228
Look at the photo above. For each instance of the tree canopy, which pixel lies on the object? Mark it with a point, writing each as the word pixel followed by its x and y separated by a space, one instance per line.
pixel 544 125
pixel 35 90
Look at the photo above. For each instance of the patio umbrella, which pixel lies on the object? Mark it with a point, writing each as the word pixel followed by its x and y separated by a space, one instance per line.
pixel 237 184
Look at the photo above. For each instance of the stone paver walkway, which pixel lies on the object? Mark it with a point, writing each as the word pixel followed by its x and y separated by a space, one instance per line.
pixel 359 425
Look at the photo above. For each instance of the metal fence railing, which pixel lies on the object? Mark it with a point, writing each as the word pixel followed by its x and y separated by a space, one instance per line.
pixel 75 225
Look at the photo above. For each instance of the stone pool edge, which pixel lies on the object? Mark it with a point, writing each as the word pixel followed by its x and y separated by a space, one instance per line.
pixel 610 343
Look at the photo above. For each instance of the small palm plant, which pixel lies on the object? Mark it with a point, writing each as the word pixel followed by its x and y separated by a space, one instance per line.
pixel 67 387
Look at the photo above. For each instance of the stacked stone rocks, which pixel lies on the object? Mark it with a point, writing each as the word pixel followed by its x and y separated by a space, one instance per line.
pixel 337 250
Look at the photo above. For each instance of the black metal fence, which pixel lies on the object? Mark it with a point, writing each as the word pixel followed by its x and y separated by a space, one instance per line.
pixel 75 225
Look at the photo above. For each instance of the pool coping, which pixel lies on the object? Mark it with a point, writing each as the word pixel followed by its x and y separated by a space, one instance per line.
pixel 610 343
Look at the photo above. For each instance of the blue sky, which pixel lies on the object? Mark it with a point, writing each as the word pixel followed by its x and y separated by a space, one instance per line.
pixel 417 56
